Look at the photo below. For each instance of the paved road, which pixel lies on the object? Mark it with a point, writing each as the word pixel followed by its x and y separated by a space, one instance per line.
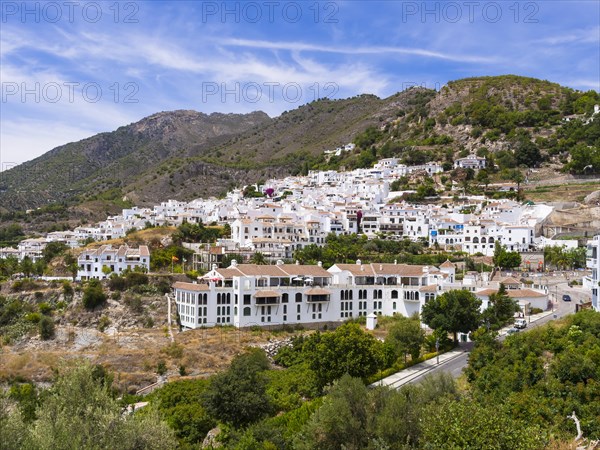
pixel 455 364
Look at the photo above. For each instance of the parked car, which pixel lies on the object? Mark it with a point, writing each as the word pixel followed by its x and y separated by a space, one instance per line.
pixel 520 323
pixel 566 298
pixel 512 330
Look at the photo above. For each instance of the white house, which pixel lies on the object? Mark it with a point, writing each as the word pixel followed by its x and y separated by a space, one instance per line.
pixel 470 162
pixel 91 262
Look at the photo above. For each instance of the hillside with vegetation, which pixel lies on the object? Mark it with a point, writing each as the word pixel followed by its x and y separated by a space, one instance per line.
pixel 520 393
pixel 514 122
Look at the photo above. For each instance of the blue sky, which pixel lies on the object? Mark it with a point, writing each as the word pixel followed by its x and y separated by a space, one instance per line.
pixel 69 71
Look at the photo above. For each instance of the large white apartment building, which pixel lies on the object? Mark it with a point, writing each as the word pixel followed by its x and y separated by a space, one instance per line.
pixel 593 263
pixel 91 262
pixel 244 295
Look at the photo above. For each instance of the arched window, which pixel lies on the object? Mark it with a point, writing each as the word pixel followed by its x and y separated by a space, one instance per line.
pixel 298 297
pixel 491 240
pixel 247 311
pixel 475 240
pixel 394 295
pixel 483 240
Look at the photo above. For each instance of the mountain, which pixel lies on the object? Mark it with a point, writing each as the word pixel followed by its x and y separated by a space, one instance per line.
pixel 514 121
pixel 186 154
pixel 112 160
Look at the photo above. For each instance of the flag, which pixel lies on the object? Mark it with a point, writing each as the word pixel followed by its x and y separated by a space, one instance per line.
pixel 174 258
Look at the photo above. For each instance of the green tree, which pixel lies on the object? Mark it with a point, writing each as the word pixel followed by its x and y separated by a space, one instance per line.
pixel 483 177
pixel 348 349
pixel 406 336
pixel 501 309
pixel 179 405
pixel 46 328
pixel 505 259
pixel 27 397
pixel 258 258
pixel 93 295
pixel 465 424
pixel 342 420
pixel 238 396
pixel 79 412
pixel 454 311
pixel 26 266
pixel 52 250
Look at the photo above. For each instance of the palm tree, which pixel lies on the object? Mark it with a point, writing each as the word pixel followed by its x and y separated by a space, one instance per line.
pixel 258 258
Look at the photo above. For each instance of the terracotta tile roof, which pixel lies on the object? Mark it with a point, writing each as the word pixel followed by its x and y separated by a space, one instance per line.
pixel 266 294
pixel 190 286
pixel 363 270
pixel 304 270
pixel 430 288
pixel 258 270
pixel 229 273
pixel 509 281
pixel 447 265
pixel 406 270
pixel 513 293
pixel 317 291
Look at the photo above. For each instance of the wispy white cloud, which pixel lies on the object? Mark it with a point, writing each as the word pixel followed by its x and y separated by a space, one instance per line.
pixel 360 50
pixel 584 36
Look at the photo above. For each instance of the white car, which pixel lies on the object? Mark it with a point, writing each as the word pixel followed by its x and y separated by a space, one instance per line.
pixel 520 323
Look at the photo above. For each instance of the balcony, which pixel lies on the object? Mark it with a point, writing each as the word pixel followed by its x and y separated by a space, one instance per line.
pixel 267 297
pixel 318 295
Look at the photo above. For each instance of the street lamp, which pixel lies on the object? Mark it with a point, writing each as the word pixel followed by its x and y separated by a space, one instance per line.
pixel 437 350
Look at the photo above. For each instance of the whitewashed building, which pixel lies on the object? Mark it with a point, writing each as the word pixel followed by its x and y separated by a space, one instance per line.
pixel 245 295
pixel 470 162
pixel 593 263
pixel 117 260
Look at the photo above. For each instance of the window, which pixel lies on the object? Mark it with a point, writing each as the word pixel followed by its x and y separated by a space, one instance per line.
pixel 247 299
pixel 394 295
pixel 298 297
pixel 247 311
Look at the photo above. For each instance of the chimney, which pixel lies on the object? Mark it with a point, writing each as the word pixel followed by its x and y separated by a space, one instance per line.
pixel 297 262
pixel 214 267
pixel 279 262
pixel 234 263
pixel 395 261
pixel 319 263
pixel 358 262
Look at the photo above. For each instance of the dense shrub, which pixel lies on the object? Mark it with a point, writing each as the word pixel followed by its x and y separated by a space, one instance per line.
pixel 46 328
pixel 93 295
